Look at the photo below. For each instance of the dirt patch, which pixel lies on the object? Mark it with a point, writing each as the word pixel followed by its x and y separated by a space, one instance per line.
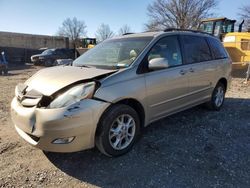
pixel 7 147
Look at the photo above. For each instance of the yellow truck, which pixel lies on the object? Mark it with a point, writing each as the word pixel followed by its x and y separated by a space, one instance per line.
pixel 237 43
pixel 85 45
pixel 238 46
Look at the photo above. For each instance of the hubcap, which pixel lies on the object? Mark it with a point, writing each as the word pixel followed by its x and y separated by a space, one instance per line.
pixel 122 132
pixel 219 96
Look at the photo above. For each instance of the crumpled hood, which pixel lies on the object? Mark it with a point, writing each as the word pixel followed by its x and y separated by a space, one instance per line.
pixel 49 80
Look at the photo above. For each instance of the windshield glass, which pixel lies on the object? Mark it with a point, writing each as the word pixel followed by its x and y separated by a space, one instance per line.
pixel 48 52
pixel 113 53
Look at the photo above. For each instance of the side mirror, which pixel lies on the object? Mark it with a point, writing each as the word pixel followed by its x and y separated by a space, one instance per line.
pixel 158 63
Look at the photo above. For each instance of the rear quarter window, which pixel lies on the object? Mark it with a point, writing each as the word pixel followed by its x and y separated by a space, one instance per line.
pixel 196 49
pixel 217 49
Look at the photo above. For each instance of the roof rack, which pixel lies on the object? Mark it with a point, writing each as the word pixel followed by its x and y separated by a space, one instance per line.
pixel 189 30
pixel 128 33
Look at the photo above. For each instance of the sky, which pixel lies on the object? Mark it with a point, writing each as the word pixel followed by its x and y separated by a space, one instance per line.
pixel 46 16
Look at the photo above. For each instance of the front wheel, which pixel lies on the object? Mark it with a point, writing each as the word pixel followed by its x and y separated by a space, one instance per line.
pixel 118 130
pixel 218 97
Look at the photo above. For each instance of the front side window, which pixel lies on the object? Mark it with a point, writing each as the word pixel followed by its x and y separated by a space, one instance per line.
pixel 196 49
pixel 167 49
pixel 114 53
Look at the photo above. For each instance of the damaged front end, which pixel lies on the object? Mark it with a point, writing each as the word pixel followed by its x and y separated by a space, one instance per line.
pixel 64 121
pixel 65 97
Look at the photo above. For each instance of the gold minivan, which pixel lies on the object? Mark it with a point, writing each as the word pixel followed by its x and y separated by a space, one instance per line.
pixel 118 87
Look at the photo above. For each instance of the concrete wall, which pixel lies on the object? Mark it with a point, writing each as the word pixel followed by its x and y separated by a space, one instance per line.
pixel 19 47
pixel 28 41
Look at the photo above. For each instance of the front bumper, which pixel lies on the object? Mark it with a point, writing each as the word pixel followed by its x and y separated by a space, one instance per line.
pixel 34 59
pixel 40 127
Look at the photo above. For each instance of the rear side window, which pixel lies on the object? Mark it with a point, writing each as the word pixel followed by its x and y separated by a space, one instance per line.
pixel 217 49
pixel 195 49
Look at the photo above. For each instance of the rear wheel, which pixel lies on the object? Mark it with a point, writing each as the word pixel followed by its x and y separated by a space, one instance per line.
pixel 118 130
pixel 48 63
pixel 218 97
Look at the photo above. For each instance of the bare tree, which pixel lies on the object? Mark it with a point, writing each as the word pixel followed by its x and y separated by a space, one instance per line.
pixel 124 29
pixel 73 28
pixel 104 32
pixel 183 14
pixel 245 15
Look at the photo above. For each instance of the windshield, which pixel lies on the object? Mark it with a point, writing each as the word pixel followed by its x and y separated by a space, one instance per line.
pixel 48 52
pixel 113 53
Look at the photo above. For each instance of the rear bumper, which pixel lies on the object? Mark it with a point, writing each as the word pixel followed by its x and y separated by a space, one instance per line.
pixel 40 127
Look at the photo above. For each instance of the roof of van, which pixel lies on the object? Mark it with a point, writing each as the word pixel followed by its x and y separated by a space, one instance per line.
pixel 154 34
pixel 143 34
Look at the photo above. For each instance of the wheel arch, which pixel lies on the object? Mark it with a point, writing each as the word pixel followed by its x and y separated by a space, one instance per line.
pixel 223 81
pixel 137 106
pixel 133 103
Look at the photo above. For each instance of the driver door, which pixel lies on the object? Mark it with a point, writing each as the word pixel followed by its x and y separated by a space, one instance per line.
pixel 166 88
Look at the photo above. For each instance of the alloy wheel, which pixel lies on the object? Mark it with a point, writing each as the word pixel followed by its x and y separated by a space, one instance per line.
pixel 219 96
pixel 122 132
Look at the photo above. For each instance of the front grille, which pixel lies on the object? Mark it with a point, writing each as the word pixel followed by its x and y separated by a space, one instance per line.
pixel 28 98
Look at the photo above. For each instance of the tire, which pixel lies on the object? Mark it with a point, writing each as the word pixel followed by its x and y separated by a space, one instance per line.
pixel 218 97
pixel 55 63
pixel 48 63
pixel 113 138
pixel 37 63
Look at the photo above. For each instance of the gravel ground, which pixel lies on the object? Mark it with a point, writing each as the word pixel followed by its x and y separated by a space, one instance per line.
pixel 194 148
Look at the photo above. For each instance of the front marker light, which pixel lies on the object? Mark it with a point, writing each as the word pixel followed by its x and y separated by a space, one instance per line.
pixel 74 95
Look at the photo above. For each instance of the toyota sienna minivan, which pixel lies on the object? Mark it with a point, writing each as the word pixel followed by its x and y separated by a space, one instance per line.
pixel 115 89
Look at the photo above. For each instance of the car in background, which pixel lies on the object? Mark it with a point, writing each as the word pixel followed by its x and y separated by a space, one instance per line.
pixel 49 57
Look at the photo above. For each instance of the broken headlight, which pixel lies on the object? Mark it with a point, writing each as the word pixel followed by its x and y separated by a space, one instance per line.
pixel 73 95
